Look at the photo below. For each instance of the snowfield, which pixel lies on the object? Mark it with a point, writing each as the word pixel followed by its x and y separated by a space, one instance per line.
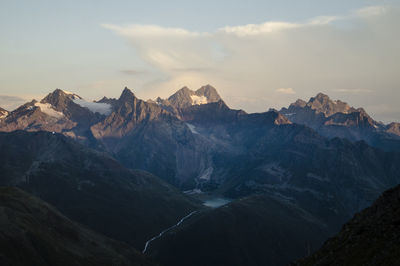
pixel 197 100
pixel 49 110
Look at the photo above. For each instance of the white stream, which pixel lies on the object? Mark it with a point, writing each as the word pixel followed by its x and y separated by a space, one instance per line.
pixel 166 230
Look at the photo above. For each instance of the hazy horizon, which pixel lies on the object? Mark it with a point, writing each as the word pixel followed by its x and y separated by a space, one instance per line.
pixel 258 56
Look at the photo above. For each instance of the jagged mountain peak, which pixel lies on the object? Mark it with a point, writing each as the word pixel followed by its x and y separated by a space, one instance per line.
pixel 209 92
pixel 127 95
pixel 334 118
pixel 104 99
pixel 299 103
pixel 321 97
pixel 185 89
pixel 183 93
pixel 321 103
pixel 279 119
pixel 59 96
pixel 186 97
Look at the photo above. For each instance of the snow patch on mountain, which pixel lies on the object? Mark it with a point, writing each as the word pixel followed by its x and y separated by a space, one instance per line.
pixel 3 114
pixel 193 191
pixel 197 100
pixel 206 174
pixel 101 108
pixel 49 110
pixel 68 92
pixel 192 128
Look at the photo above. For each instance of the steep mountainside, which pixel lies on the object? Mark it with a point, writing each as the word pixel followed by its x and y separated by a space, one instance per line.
pixel 128 112
pixel 265 155
pixel 372 237
pixel 142 135
pixel 338 119
pixel 258 230
pixel 34 233
pixel 90 187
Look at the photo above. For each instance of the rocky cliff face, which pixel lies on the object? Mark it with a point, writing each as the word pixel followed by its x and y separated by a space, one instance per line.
pixel 370 238
pixel 128 112
pixel 142 135
pixel 35 233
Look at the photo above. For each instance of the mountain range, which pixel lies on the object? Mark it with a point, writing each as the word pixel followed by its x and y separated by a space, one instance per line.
pixel 132 169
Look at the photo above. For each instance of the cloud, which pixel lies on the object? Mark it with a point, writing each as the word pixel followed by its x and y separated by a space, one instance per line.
pixel 139 30
pixel 11 102
pixel 286 91
pixel 132 72
pixel 354 50
pixel 354 91
pixel 275 26
pixel 371 11
pixel 256 29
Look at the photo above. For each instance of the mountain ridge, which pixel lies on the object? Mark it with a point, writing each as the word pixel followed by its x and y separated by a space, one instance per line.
pixel 90 186
pixel 35 233
pixel 371 237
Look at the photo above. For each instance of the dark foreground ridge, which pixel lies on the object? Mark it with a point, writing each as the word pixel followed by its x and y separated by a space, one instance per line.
pixel 372 237
pixel 35 233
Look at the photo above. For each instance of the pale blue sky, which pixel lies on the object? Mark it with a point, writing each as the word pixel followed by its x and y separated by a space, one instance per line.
pixel 50 44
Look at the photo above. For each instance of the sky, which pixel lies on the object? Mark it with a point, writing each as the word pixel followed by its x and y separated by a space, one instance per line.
pixel 257 54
